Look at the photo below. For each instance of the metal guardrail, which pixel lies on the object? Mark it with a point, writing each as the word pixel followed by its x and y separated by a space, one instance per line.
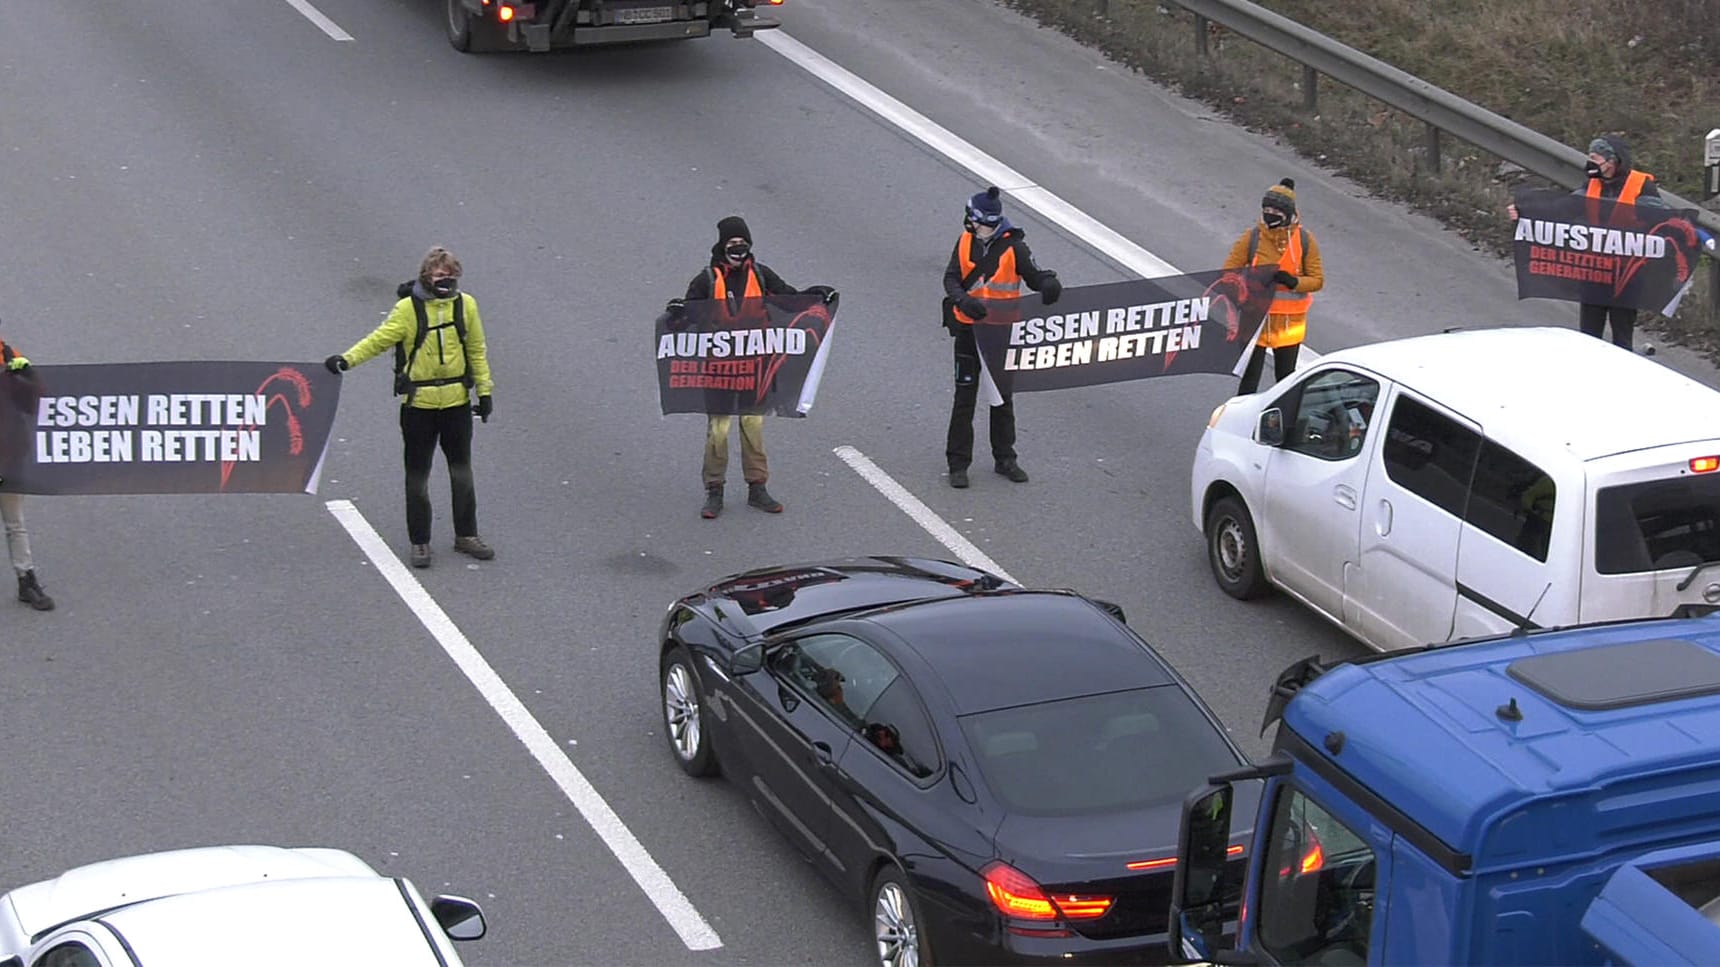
pixel 1439 108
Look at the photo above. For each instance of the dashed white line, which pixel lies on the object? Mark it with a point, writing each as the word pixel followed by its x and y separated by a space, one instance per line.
pixel 920 513
pixel 659 889
pixel 317 17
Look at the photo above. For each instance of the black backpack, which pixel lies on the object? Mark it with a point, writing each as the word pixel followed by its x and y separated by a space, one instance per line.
pixel 403 386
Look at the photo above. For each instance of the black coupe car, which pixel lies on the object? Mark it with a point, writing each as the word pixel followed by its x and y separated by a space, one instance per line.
pixel 997 773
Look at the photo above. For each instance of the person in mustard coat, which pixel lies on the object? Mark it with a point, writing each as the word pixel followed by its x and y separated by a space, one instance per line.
pixel 440 363
pixel 1279 238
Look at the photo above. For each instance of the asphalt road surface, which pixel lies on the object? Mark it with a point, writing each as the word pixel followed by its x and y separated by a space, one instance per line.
pixel 230 181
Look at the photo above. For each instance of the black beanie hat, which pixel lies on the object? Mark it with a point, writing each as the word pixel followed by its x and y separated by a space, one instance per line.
pixel 986 207
pixel 733 226
pixel 1281 196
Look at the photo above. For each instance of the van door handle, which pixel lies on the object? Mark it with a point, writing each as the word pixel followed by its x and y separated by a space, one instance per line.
pixel 822 754
pixel 1383 520
pixel 1345 495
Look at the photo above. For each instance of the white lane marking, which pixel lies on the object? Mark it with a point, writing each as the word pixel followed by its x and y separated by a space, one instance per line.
pixel 316 16
pixel 1049 206
pixel 659 889
pixel 920 513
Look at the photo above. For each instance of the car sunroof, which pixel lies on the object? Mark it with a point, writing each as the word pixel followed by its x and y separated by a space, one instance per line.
pixel 1622 676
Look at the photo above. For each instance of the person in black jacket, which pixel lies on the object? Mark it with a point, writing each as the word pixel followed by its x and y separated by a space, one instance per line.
pixel 733 277
pixel 991 261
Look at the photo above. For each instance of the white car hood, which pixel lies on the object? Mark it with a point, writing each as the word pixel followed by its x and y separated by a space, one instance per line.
pixel 115 883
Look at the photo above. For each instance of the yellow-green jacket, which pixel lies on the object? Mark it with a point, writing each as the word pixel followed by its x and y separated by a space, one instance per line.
pixel 441 356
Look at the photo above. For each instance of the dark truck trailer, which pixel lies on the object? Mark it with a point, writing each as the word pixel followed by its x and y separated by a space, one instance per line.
pixel 483 26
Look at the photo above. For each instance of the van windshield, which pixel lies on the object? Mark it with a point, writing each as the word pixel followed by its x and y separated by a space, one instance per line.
pixel 1658 524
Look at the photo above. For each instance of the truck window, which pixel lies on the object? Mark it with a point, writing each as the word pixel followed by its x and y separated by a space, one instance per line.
pixel 1512 499
pixel 1430 455
pixel 1317 888
pixel 1657 524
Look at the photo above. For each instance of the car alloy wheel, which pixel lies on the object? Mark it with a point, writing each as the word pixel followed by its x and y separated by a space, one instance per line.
pixel 894 923
pixel 683 715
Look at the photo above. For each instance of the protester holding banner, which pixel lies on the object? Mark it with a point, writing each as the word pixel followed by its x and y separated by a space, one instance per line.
pixel 1611 178
pixel 440 361
pixel 736 283
pixel 14 443
pixel 990 263
pixel 1280 239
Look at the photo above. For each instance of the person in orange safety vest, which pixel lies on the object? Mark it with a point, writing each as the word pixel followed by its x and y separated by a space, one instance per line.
pixel 991 261
pixel 1280 239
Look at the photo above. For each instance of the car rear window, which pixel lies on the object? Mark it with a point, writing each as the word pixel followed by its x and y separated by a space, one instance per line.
pixel 1097 753
pixel 1657 524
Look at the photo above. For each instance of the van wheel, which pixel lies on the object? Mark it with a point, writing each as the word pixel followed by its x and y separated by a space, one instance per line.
pixel 471 34
pixel 1233 550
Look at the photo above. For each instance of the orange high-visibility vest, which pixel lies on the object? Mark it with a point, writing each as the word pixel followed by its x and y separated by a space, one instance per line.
pixel 1627 193
pixel 1003 283
pixel 752 297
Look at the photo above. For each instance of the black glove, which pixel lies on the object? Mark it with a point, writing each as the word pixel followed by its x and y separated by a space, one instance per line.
pixel 1285 279
pixel 829 295
pixel 1050 288
pixel 483 409
pixel 676 307
pixel 971 307
pixel 335 363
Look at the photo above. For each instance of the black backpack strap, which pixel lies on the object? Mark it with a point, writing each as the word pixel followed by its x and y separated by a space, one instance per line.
pixel 403 359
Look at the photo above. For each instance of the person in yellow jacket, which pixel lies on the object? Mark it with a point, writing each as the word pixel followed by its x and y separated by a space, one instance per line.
pixel 440 363
pixel 1280 239
pixel 15 370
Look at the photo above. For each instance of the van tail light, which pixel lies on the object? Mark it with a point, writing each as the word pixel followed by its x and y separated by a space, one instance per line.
pixel 1705 464
pixel 1016 895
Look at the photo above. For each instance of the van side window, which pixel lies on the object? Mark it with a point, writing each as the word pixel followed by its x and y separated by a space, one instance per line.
pixel 1430 455
pixel 1512 499
pixel 1330 420
pixel 1317 889
pixel 1657 524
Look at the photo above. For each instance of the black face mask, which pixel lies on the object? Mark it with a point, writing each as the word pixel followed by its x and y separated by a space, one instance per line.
pixel 1275 219
pixel 1592 170
pixel 445 287
pixel 737 252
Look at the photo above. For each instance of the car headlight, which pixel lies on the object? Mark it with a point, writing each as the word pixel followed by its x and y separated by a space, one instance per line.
pixel 1217 412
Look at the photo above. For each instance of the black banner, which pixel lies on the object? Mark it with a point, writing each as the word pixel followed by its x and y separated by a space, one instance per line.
pixel 767 359
pixel 1198 323
pixel 166 428
pixel 1603 253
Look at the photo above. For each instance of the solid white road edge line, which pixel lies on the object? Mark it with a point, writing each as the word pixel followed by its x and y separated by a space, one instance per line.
pixel 920 513
pixel 1049 206
pixel 323 23
pixel 659 889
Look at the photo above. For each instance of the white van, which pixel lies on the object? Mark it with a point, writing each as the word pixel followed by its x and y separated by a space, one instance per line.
pixel 1442 487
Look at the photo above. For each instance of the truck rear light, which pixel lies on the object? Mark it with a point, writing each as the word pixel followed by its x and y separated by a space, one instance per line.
pixel 1016 895
pixel 1705 464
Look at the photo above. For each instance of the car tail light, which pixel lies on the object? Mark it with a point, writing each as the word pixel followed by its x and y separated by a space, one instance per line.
pixel 1231 852
pixel 1705 464
pixel 1015 894
pixel 1313 858
pixel 505 13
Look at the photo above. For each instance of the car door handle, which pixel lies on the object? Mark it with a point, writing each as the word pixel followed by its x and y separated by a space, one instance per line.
pixel 822 754
pixel 1383 521
pixel 1345 495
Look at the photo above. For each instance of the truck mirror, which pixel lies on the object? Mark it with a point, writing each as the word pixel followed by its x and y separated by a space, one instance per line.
pixel 1271 430
pixel 1198 888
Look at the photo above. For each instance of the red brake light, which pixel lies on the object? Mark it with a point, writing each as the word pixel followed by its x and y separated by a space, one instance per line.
pixel 505 13
pixel 1232 851
pixel 1705 464
pixel 1314 859
pixel 1016 895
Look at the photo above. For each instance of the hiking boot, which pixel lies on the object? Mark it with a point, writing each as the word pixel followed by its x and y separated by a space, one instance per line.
pixel 759 497
pixel 475 546
pixel 421 555
pixel 1012 470
pixel 32 594
pixel 713 503
pixel 958 479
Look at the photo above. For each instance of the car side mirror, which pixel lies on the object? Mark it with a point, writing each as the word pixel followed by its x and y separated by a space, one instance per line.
pixel 1111 608
pixel 1270 432
pixel 746 659
pixel 460 918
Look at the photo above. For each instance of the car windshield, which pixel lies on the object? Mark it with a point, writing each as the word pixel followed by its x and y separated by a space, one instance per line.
pixel 1658 524
pixel 1098 753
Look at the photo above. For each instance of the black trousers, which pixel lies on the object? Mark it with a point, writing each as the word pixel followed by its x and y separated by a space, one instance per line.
pixel 1283 364
pixel 1592 319
pixel 422 430
pixel 958 448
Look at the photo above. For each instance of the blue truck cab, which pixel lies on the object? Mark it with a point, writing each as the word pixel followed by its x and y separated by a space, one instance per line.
pixel 1547 797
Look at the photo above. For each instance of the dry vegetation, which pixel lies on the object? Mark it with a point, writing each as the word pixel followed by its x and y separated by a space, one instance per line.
pixel 1649 71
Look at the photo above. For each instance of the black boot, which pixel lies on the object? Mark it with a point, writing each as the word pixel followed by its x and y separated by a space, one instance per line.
pixel 759 497
pixel 713 503
pixel 1009 468
pixel 31 593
